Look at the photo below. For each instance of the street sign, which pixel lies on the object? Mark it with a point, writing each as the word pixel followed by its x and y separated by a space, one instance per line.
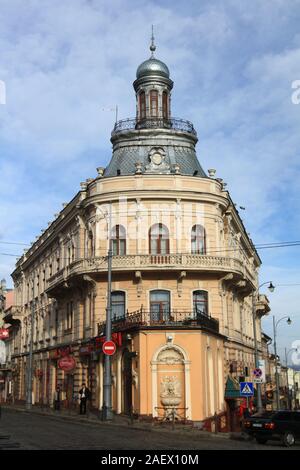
pixel 257 372
pixel 259 375
pixel 246 389
pixel 109 348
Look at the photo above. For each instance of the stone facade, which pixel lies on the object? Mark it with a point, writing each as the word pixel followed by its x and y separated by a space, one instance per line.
pixel 183 273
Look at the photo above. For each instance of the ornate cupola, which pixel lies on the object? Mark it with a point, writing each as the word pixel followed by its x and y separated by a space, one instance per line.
pixel 153 142
pixel 153 89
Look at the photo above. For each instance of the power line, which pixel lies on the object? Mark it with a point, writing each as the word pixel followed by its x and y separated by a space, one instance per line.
pixel 208 252
pixel 13 243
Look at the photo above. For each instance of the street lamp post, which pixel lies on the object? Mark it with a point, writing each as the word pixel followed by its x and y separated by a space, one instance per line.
pixel 275 324
pixel 107 398
pixel 30 358
pixel 256 355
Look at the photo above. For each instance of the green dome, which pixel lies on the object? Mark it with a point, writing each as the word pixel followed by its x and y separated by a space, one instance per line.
pixel 152 66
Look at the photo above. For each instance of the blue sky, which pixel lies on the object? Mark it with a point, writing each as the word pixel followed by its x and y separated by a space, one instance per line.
pixel 65 63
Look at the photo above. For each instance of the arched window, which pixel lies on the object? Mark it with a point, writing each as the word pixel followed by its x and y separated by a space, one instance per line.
pixel 200 303
pixel 158 240
pixel 142 103
pixel 154 103
pixel 117 305
pixel 159 305
pixel 165 105
pixel 118 235
pixel 198 240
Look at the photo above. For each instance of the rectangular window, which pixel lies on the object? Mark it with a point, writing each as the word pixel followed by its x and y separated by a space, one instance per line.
pixel 159 305
pixel 118 305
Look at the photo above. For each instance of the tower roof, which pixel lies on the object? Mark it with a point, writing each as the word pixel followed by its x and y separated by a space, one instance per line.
pixel 152 67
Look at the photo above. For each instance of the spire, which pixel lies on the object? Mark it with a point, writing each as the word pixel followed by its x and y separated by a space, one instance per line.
pixel 152 46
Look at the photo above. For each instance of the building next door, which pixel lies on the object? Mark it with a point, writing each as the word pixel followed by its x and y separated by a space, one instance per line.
pixel 127 382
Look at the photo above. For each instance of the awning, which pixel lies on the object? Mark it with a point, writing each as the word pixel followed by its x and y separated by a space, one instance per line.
pixel 232 389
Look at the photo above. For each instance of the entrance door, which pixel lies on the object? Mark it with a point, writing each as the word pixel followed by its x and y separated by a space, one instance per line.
pixel 127 382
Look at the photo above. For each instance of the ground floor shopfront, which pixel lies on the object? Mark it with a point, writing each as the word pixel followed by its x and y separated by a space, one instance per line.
pixel 155 373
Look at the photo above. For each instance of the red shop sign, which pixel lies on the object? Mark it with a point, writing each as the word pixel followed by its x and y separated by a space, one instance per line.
pixel 4 333
pixel 67 363
pixel 116 338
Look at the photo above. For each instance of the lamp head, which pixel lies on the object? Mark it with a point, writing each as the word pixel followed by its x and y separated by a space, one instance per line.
pixel 289 321
pixel 271 287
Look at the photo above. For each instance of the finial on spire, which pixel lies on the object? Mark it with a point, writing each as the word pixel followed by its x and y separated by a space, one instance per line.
pixel 152 46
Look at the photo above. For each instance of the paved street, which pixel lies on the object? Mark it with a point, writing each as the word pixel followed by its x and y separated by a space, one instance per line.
pixel 32 431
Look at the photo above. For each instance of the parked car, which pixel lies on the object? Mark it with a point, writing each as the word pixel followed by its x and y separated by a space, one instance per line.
pixel 279 425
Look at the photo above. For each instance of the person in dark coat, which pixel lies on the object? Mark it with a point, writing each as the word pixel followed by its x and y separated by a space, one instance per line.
pixel 57 399
pixel 84 395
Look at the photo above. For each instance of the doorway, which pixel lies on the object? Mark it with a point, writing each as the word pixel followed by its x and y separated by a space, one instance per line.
pixel 127 382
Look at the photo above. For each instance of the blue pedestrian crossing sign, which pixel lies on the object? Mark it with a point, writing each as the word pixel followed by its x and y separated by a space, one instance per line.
pixel 246 389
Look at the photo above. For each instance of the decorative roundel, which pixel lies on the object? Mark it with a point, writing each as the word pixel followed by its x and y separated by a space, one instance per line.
pixel 156 158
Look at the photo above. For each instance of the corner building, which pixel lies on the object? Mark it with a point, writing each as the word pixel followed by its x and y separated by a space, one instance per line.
pixel 183 273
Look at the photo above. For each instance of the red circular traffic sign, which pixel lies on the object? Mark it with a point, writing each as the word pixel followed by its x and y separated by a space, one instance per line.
pixel 109 348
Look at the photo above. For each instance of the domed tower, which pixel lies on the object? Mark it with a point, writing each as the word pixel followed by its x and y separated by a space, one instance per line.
pixel 153 141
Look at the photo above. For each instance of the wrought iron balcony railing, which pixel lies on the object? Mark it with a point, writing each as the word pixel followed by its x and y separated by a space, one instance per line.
pixel 175 318
pixel 154 123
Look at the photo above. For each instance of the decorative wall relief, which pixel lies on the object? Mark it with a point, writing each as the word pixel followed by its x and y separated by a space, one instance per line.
pixel 170 396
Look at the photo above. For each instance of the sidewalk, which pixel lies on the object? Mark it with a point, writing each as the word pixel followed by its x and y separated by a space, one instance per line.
pixel 94 418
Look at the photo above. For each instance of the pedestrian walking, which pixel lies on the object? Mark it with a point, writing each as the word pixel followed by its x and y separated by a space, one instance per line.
pixel 57 399
pixel 84 395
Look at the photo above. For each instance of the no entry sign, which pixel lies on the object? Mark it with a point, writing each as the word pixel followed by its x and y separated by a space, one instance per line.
pixel 109 348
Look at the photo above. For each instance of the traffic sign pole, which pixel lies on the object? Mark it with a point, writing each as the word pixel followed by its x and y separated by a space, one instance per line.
pixel 107 399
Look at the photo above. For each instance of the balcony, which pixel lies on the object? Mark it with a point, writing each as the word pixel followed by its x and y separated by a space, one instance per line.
pixel 176 262
pixel 141 319
pixel 175 124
